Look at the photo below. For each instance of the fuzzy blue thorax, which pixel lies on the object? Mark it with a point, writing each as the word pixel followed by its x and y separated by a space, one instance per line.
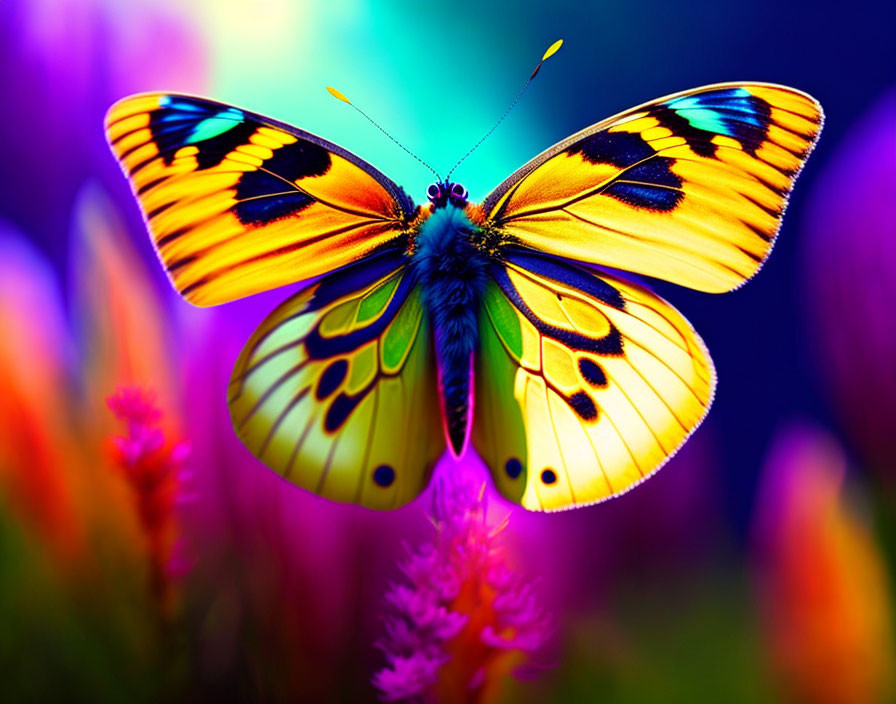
pixel 452 274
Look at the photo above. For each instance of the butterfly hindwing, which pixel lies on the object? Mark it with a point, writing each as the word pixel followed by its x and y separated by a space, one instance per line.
pixel 336 389
pixel 689 188
pixel 585 384
pixel 237 203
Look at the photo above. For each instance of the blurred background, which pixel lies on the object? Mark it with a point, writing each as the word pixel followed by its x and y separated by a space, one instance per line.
pixel 146 556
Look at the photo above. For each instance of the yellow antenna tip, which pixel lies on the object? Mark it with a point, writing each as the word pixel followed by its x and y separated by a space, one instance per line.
pixel 552 49
pixel 339 96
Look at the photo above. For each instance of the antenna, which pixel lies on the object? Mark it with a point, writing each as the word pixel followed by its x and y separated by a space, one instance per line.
pixel 340 96
pixel 552 49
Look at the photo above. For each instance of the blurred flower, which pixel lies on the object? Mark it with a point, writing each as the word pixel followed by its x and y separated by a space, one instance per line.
pixel 53 431
pixel 35 437
pixel 64 63
pixel 850 256
pixel 276 582
pixel 823 591
pixel 154 469
pixel 86 604
pixel 463 620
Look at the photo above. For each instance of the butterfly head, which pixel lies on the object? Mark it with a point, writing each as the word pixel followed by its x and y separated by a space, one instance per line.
pixel 443 193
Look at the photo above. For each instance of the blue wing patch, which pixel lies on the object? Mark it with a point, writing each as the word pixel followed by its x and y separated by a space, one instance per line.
pixel 733 112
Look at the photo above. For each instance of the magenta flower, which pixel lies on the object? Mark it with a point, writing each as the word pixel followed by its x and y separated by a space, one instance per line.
pixel 462 619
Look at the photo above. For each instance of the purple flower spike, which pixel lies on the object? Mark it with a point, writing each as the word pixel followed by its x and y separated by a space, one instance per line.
pixel 462 619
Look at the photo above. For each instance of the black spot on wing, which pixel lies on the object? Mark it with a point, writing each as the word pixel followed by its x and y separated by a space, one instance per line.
pixel 255 190
pixel 340 410
pixel 548 476
pixel 656 171
pixel 582 404
pixel 592 372
pixel 617 148
pixel 384 475
pixel 267 209
pixel 298 160
pixel 332 377
pixel 645 196
pixel 513 467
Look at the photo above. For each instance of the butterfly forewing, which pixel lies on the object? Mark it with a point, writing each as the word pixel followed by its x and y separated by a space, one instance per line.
pixel 585 384
pixel 689 188
pixel 336 389
pixel 237 203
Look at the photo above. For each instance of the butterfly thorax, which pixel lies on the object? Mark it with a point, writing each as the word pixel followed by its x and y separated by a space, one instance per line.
pixel 452 273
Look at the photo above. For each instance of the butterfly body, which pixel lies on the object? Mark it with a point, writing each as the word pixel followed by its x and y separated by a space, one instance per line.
pixel 585 382
pixel 452 271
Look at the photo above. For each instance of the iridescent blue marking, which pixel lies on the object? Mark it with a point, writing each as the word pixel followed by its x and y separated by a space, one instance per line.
pixel 713 111
pixel 167 101
pixel 213 126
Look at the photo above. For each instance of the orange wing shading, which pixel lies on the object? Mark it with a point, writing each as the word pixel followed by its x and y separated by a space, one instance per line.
pixel 689 188
pixel 238 204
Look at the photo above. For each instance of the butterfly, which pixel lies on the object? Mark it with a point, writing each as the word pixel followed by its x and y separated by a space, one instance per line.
pixel 507 323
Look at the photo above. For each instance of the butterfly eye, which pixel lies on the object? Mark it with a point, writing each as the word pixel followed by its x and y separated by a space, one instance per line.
pixel 458 191
pixel 434 192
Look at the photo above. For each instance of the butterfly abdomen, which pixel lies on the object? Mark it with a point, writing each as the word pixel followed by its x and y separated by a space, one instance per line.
pixel 452 276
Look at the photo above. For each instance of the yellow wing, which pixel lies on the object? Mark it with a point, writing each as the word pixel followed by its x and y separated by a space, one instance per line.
pixel 238 204
pixel 336 390
pixel 689 188
pixel 585 385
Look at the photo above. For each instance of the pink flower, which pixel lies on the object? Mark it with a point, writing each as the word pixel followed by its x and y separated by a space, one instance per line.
pixel 153 467
pixel 53 424
pixel 462 619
